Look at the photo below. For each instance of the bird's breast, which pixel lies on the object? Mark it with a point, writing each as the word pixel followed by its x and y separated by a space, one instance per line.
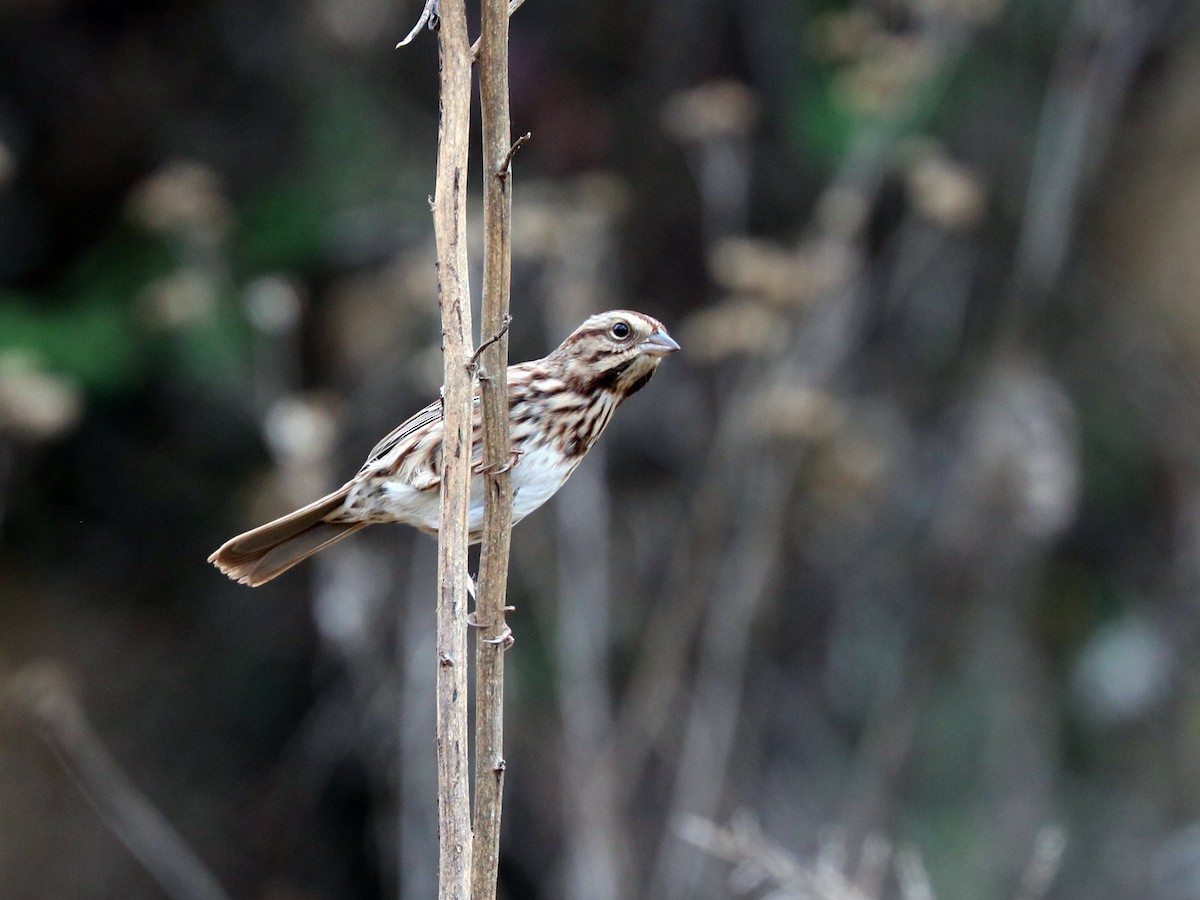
pixel 537 476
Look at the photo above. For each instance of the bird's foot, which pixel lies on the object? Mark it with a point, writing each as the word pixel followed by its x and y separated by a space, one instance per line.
pixel 505 636
pixel 514 458
pixel 504 640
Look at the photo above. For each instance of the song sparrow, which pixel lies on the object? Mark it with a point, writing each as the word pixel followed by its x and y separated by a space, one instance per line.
pixel 558 406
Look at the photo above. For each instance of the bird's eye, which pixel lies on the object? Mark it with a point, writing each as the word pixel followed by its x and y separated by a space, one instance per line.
pixel 620 331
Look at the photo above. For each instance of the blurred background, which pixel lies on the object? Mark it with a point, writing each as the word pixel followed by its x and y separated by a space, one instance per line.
pixel 887 586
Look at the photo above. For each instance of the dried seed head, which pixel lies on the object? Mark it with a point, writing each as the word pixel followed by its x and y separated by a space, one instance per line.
pixel 273 304
pixel 737 327
pixel 36 405
pixel 945 191
pixel 842 36
pixel 179 300
pixel 715 109
pixel 183 198
pixel 794 412
pixel 889 67
pixel 300 429
pixel 781 277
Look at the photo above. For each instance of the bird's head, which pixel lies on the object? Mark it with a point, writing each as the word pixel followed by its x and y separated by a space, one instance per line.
pixel 614 351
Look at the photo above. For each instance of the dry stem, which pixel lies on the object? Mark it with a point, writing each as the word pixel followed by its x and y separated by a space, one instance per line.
pixel 513 6
pixel 494 634
pixel 449 224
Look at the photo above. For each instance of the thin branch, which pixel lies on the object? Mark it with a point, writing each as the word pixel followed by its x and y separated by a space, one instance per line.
pixel 494 635
pixel 429 16
pixel 502 172
pixel 449 222
pixel 496 336
pixel 44 693
pixel 513 6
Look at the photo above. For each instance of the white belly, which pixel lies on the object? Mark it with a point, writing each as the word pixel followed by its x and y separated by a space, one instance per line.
pixel 535 479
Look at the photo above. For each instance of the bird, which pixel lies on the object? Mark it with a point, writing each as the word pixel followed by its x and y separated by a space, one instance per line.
pixel 558 406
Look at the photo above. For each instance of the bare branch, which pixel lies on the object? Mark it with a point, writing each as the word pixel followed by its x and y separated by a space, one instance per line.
pixel 496 335
pixel 429 16
pixel 502 172
pixel 494 636
pixel 513 6
pixel 449 221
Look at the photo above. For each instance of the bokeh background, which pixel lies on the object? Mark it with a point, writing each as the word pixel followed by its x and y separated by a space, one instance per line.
pixel 887 586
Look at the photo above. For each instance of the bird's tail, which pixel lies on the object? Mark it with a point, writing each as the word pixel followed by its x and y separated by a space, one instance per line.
pixel 260 554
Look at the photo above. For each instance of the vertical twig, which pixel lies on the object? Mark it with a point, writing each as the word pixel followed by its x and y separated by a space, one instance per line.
pixel 449 225
pixel 493 637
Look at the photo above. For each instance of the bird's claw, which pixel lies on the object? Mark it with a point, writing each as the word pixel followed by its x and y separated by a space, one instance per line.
pixel 504 639
pixel 514 458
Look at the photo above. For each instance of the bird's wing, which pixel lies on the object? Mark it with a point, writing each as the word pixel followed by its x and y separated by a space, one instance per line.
pixel 412 452
pixel 429 418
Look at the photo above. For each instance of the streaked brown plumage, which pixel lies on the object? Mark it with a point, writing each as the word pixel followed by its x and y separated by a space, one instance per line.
pixel 558 406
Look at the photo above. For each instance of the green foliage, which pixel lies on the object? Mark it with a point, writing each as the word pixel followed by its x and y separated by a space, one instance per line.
pixel 86 341
pixel 351 157
pixel 822 128
pixel 141 303
pixel 88 330
pixel 214 350
pixel 98 329
pixel 281 229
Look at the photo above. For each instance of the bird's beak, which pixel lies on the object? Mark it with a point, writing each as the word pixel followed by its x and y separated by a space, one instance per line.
pixel 659 344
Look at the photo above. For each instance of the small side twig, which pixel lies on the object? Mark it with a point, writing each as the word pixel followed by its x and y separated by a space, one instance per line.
pixel 502 172
pixel 513 6
pixel 497 335
pixel 430 17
